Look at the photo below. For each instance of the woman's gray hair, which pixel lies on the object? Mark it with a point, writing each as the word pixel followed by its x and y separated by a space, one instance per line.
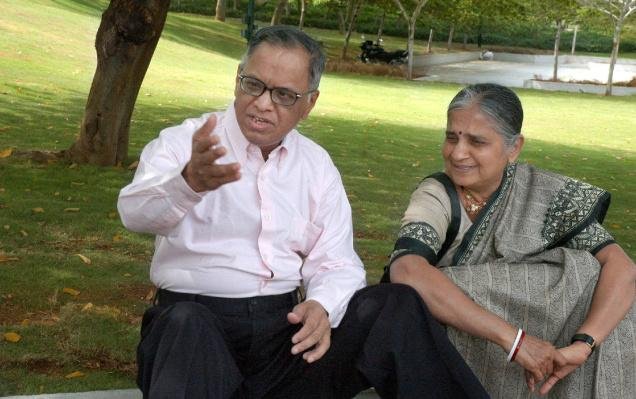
pixel 500 104
pixel 290 37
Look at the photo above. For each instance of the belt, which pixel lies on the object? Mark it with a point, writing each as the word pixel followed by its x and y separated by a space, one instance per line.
pixel 231 305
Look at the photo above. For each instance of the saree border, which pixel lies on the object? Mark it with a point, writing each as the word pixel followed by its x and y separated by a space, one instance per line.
pixel 478 228
pixel 567 218
pixel 412 246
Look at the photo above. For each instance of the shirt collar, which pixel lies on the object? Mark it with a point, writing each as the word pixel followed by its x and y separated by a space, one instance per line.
pixel 240 145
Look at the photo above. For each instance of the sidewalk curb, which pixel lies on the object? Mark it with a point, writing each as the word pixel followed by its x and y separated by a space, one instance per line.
pixel 111 394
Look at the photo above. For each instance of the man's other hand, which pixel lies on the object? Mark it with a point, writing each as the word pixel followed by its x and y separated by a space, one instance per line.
pixel 202 173
pixel 315 333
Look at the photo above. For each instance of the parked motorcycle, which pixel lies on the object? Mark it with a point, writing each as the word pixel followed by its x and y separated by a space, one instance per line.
pixel 372 52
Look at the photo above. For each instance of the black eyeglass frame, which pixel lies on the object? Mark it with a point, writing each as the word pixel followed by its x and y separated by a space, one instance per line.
pixel 271 90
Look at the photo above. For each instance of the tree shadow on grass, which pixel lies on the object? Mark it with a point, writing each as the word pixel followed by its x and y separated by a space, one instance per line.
pixel 93 8
pixel 381 163
pixel 205 34
pixel 33 119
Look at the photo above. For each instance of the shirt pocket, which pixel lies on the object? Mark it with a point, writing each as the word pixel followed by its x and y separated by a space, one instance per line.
pixel 303 236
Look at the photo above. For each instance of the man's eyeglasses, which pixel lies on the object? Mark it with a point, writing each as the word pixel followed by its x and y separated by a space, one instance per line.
pixel 279 95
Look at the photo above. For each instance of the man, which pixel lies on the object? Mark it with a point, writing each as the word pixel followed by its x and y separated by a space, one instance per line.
pixel 246 211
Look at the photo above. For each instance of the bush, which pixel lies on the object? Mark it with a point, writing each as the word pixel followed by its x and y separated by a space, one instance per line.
pixel 351 66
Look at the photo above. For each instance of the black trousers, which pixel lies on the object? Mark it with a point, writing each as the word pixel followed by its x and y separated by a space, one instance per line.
pixel 199 347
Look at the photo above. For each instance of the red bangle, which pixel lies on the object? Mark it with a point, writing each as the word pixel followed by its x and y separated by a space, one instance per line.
pixel 523 334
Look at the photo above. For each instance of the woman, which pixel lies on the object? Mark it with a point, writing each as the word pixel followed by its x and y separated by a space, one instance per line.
pixel 515 262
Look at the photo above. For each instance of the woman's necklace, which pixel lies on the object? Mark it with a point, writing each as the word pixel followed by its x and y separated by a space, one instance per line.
pixel 472 206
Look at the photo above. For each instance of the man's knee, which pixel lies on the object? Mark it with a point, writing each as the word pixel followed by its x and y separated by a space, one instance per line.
pixel 403 293
pixel 381 294
pixel 369 302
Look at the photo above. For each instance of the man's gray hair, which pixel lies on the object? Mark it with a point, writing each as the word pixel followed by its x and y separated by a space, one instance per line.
pixel 290 37
pixel 500 104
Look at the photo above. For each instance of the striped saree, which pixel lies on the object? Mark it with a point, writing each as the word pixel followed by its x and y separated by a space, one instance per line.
pixel 528 258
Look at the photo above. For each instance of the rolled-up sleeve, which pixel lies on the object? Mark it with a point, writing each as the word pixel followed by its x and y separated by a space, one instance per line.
pixel 158 197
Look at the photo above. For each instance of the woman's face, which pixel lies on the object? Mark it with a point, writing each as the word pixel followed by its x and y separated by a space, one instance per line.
pixel 475 155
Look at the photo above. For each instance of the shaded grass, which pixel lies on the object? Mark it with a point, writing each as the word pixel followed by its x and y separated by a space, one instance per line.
pixel 384 135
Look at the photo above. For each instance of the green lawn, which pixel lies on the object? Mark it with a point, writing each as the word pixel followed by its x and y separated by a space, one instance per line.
pixel 384 134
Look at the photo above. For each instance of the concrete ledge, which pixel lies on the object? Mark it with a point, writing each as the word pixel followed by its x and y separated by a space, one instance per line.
pixel 578 87
pixel 425 60
pixel 129 394
pixel 563 59
pixel 112 394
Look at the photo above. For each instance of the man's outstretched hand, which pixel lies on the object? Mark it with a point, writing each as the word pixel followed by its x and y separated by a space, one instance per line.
pixel 202 173
pixel 315 333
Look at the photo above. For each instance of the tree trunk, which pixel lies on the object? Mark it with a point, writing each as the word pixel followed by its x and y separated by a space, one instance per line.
pixel 220 10
pixel 430 38
pixel 235 5
pixel 301 21
pixel 352 22
pixel 465 41
pixel 349 10
pixel 409 48
pixel 125 42
pixel 411 23
pixel 576 29
pixel 616 40
pixel 341 22
pixel 450 37
pixel 557 42
pixel 381 27
pixel 278 12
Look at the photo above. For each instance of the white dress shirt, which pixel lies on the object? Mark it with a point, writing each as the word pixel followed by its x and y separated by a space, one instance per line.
pixel 287 221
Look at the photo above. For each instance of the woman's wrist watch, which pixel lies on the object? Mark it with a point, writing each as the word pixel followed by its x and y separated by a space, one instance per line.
pixel 588 339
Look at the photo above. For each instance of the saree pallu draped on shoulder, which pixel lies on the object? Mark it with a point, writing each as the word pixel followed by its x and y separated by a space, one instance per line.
pixel 520 260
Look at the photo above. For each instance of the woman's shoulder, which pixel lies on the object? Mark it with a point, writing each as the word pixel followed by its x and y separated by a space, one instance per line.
pixel 434 188
pixel 551 178
pixel 437 183
pixel 572 205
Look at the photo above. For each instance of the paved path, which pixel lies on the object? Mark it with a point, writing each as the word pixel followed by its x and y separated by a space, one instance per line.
pixel 513 74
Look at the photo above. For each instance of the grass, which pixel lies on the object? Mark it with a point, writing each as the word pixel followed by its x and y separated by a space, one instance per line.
pixel 384 134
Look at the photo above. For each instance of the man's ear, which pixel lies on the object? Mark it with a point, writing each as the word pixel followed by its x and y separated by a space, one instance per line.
pixel 313 97
pixel 236 81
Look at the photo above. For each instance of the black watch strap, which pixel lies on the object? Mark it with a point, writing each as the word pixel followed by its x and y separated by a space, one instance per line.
pixel 584 338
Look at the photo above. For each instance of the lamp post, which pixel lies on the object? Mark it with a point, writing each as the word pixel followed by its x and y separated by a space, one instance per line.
pixel 248 19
